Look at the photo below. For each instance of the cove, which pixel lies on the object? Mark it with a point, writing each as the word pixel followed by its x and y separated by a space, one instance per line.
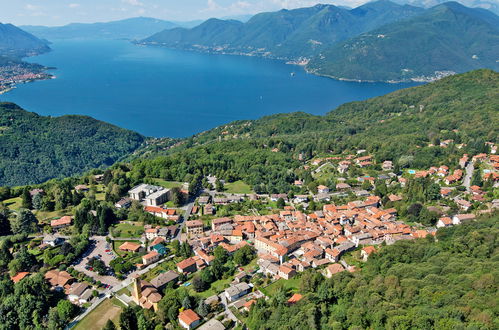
pixel 161 92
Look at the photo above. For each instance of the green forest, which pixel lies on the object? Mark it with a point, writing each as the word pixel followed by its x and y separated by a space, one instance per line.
pixel 265 153
pixel 449 282
pixel 34 149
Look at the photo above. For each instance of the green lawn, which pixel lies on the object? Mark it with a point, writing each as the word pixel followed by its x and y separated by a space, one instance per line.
pixel 162 268
pixel 291 284
pixel 238 187
pixel 13 203
pixel 167 184
pixel 127 230
pixel 109 309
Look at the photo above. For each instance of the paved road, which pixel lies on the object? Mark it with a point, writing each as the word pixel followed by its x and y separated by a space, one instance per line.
pixel 187 213
pixel 468 175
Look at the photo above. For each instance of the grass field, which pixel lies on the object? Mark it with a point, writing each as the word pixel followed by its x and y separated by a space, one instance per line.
pixel 127 230
pixel 167 184
pixel 109 309
pixel 291 284
pixel 13 203
pixel 238 187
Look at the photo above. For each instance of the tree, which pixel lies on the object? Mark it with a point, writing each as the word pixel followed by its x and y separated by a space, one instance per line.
pixel 27 202
pixel 38 201
pixel 477 180
pixel 177 196
pixel 221 254
pixel 198 284
pixel 109 325
pixel 203 309
pixel 4 224
pixel 25 222
pixel 66 310
pixel 128 319
pixel 280 203
pixel 244 255
pixel 219 186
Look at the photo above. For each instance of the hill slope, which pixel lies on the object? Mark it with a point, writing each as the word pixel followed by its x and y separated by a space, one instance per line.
pixel 132 28
pixel 287 33
pixel 34 149
pixel 448 37
pixel 398 126
pixel 450 283
pixel 17 43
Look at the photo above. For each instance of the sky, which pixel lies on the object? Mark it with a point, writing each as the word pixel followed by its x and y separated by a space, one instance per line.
pixel 61 12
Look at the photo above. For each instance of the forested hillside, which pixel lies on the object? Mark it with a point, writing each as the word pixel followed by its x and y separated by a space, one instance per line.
pixel 17 43
pixel 399 126
pixel 286 34
pixel 34 149
pixel 446 38
pixel 450 283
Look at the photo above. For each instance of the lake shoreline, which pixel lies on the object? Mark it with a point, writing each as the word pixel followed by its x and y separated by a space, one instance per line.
pixel 160 92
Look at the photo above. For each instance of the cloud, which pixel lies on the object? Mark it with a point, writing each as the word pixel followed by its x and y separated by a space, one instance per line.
pixel 74 5
pixel 133 2
pixel 31 7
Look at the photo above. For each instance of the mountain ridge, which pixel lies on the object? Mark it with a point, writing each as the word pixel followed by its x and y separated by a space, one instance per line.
pixel 280 34
pixel 446 39
pixel 130 28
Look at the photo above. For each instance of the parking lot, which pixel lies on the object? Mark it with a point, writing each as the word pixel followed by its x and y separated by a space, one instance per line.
pixel 102 250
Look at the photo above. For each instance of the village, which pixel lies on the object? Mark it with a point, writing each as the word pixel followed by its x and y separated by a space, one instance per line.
pixel 12 75
pixel 263 242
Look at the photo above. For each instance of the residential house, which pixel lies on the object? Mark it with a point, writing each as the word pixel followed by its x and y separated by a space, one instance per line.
pixel 52 240
pixel 387 165
pixel 460 218
pixel 295 298
pixel 79 293
pixel 130 247
pixel 61 223
pixel 123 203
pixel 187 266
pixel 19 276
pixel 150 258
pixel 322 189
pixel 188 319
pixel 194 227
pixel 366 252
pixel 334 269
pixel 209 209
pixel 444 222
pixel 60 280
pixel 286 272
pixel 217 223
pixel 163 279
pixel 236 291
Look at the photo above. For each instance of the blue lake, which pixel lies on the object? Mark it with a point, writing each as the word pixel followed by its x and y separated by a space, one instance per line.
pixel 161 92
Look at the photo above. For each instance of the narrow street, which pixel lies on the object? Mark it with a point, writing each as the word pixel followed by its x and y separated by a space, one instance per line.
pixel 468 175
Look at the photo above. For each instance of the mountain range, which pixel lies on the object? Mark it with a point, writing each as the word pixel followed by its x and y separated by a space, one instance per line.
pixel 132 28
pixel 445 39
pixel 491 5
pixel 287 33
pixel 16 43
pixel 378 41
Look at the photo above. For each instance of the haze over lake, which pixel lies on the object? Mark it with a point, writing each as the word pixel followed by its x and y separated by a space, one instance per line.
pixel 161 92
